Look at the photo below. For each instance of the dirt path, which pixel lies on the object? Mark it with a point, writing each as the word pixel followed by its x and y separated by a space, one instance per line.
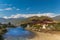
pixel 46 36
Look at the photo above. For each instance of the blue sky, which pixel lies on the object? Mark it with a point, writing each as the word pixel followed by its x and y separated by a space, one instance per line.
pixel 13 8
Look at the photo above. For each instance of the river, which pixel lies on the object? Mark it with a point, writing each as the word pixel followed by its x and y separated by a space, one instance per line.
pixel 17 33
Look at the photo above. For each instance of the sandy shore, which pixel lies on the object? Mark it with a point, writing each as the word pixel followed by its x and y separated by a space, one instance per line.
pixel 47 36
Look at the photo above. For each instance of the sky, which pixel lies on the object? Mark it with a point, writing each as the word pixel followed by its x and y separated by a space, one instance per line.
pixel 28 8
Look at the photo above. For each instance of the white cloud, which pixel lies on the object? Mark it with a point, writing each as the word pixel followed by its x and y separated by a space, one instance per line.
pixel 5 17
pixel 30 15
pixel 8 9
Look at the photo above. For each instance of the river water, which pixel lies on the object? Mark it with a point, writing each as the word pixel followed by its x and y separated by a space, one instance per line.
pixel 17 33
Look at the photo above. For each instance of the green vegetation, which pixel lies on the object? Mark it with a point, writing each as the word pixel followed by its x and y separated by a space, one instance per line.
pixel 57 26
pixel 1 37
pixel 3 29
pixel 23 25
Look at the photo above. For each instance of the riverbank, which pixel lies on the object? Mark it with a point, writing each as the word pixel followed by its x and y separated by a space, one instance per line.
pixel 47 36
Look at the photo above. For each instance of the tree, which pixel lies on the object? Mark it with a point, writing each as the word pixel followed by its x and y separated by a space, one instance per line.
pixel 9 23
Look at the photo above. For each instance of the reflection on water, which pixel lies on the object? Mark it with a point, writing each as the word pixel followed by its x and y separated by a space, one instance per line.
pixel 17 34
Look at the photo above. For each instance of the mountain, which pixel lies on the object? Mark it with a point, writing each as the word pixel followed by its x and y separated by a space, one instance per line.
pixel 18 21
pixel 57 18
pixel 2 20
pixel 12 20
